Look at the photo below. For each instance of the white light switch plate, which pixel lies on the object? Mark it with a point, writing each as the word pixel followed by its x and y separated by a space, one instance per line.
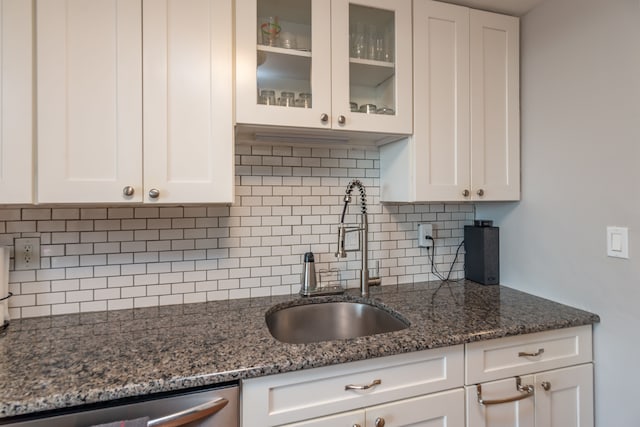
pixel 618 242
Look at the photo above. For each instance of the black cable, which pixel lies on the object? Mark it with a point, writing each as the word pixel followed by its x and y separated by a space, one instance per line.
pixel 434 269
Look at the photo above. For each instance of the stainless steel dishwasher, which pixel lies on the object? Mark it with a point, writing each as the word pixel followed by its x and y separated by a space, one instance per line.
pixel 217 407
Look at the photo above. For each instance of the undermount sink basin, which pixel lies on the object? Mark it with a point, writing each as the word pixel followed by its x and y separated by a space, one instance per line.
pixel 332 320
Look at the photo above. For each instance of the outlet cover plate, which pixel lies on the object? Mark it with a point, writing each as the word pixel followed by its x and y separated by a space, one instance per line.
pixel 425 230
pixel 27 253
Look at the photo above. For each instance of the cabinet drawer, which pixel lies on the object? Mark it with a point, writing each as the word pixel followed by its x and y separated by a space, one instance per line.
pixel 524 354
pixel 295 396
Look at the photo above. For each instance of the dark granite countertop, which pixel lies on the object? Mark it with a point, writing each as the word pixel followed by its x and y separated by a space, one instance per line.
pixel 63 361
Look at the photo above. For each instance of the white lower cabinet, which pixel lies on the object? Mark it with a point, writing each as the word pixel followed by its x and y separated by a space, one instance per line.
pixel 445 409
pixel 541 379
pixel 531 396
pixel 406 389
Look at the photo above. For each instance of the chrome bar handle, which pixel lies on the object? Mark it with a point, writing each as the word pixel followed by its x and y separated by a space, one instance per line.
pixel 189 415
pixel 526 389
pixel 362 387
pixel 536 354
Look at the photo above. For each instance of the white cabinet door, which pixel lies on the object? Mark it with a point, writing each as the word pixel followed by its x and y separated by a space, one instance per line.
pixel 348 419
pixel 372 79
pixel 495 109
pixel 301 67
pixel 16 101
pixel 444 409
pixel 492 414
pixel 441 90
pixel 188 104
pixel 564 397
pixel 89 100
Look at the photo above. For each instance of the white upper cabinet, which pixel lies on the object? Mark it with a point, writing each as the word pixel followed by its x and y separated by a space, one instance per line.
pixel 16 101
pixel 188 101
pixel 89 100
pixel 466 141
pixel 91 57
pixel 495 106
pixel 342 64
pixel 441 131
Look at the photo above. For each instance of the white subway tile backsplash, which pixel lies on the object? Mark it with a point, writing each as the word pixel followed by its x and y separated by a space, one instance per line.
pixel 288 202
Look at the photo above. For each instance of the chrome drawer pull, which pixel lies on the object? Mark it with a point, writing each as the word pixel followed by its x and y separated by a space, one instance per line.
pixel 537 353
pixel 188 415
pixel 526 389
pixel 362 387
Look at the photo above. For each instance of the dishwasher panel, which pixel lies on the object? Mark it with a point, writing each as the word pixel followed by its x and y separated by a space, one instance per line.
pixel 155 409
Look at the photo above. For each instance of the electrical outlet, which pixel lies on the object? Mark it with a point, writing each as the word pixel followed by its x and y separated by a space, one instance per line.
pixel 425 230
pixel 27 253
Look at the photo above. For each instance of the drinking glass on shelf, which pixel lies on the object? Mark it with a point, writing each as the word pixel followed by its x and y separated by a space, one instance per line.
pixel 287 99
pixel 304 101
pixel 371 41
pixel 359 42
pixel 387 54
pixel 270 31
pixel 267 97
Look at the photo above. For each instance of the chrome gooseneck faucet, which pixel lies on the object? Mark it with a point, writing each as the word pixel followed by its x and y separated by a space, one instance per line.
pixel 363 229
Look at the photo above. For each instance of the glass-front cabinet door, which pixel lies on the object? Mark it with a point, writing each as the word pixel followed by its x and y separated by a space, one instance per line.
pixel 371 68
pixel 342 64
pixel 283 60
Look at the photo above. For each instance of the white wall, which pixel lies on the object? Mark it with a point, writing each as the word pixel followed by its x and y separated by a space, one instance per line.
pixel 581 172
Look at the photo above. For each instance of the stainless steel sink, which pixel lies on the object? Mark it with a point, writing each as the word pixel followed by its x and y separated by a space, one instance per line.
pixel 331 320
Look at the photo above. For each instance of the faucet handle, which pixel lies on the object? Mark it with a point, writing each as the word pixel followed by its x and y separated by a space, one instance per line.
pixel 341 253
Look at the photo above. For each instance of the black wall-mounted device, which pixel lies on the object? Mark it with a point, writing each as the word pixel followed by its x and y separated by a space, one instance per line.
pixel 482 252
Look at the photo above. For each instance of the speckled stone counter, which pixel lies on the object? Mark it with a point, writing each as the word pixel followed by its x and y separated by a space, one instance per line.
pixel 64 361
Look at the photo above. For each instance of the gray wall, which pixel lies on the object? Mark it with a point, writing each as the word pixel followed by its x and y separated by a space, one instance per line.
pixel 580 173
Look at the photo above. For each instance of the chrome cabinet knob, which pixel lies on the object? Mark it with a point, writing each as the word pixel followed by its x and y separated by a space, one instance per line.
pixel 154 193
pixel 128 191
pixel 324 117
pixel 342 119
pixel 379 422
pixel 546 385
pixel 480 192
pixel 356 425
pixel 465 193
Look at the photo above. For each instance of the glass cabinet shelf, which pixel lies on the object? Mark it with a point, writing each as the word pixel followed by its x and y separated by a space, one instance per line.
pixel 366 72
pixel 283 64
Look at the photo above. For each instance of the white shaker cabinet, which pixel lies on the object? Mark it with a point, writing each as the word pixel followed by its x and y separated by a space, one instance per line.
pixel 16 101
pixel 89 79
pixel 325 56
pixel 99 139
pixel 554 371
pixel 188 100
pixel 466 141
pixel 445 409
pixel 420 388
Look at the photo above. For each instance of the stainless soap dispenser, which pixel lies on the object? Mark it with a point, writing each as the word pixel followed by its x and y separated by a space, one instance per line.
pixel 308 278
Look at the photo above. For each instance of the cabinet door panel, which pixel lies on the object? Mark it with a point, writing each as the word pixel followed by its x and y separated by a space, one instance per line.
pixel 495 110
pixel 305 69
pixel 441 128
pixel 444 409
pixel 16 105
pixel 357 79
pixel 568 402
pixel 188 123
pixel 519 413
pixel 354 418
pixel 89 100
